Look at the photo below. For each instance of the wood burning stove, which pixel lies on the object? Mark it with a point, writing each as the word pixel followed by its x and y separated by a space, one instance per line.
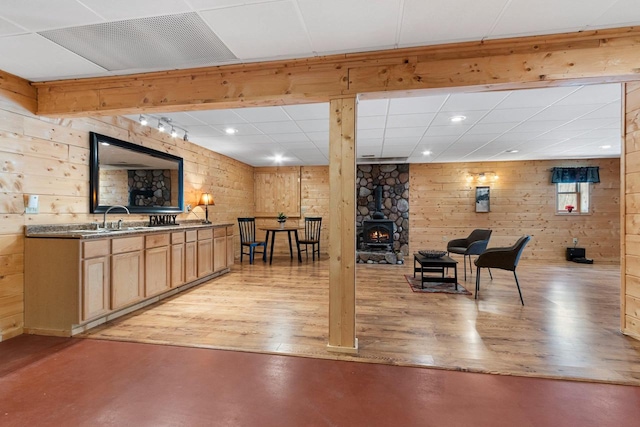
pixel 378 233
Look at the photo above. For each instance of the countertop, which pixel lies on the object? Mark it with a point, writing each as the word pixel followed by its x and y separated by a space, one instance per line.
pixel 87 231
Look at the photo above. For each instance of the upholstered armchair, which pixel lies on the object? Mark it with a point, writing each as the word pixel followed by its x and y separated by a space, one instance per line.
pixel 502 258
pixel 475 244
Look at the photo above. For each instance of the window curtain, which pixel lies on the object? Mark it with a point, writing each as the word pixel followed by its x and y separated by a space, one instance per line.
pixel 585 174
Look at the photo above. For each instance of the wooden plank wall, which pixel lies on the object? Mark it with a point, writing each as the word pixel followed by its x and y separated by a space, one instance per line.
pixel 50 158
pixel 522 202
pixel 314 201
pixel 630 293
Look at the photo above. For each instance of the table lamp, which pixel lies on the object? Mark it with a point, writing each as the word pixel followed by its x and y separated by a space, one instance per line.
pixel 206 199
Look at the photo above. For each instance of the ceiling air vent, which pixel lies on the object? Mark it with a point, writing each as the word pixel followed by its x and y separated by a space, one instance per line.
pixel 163 42
pixel 364 160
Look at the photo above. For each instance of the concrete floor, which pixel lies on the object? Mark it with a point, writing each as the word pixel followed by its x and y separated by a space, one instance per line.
pixel 46 381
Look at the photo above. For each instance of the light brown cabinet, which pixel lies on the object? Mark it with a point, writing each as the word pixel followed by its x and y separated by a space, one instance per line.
pixel 127 271
pixel 95 287
pixel 230 247
pixel 157 264
pixel 72 284
pixel 219 249
pixel 177 259
pixel 205 252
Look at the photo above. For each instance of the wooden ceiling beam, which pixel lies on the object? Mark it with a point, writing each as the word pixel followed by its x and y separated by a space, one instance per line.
pixel 586 57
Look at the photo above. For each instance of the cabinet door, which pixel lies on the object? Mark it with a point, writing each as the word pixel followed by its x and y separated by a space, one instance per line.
pixel 127 278
pixel 177 265
pixel 205 257
pixel 190 262
pixel 219 253
pixel 157 272
pixel 95 287
pixel 230 251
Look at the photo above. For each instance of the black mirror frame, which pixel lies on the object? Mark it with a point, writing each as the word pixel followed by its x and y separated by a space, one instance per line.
pixel 94 176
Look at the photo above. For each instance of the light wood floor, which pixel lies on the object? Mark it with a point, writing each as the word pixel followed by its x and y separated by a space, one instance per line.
pixel 569 327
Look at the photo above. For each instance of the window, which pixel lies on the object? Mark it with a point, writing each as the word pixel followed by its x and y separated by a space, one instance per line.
pixel 572 197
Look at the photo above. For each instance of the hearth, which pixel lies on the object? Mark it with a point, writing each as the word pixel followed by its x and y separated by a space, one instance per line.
pixel 378 233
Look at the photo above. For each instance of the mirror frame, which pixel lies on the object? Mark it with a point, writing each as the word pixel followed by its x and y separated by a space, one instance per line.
pixel 94 175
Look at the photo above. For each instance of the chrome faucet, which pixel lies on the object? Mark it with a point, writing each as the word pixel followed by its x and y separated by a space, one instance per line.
pixel 104 220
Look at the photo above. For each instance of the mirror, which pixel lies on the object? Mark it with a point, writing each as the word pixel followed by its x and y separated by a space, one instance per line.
pixel 142 179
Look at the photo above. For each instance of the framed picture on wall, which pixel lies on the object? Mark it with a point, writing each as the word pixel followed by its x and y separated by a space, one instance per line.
pixel 482 199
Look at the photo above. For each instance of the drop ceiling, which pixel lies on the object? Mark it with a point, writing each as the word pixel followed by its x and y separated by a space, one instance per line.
pixel 51 40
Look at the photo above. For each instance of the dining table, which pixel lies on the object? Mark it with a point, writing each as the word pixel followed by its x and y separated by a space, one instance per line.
pixel 280 229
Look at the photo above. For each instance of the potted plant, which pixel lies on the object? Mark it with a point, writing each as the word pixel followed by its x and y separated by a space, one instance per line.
pixel 282 218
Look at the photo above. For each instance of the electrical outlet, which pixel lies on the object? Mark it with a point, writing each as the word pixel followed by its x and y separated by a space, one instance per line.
pixel 188 208
pixel 575 241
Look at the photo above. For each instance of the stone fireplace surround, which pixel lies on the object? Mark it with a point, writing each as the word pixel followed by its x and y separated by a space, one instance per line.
pixel 394 179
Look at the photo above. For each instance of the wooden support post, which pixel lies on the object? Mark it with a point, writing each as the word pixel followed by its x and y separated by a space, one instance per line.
pixel 342 238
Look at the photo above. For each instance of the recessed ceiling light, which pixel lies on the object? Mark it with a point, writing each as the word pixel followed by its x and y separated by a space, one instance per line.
pixel 231 131
pixel 511 151
pixel 104 143
pixel 604 147
pixel 278 158
pixel 426 152
pixel 457 119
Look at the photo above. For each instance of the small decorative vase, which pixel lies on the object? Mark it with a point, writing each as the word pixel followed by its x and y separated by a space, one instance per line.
pixel 570 209
pixel 282 223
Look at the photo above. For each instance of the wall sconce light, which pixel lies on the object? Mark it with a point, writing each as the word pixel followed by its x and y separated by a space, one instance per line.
pixel 482 177
pixel 206 199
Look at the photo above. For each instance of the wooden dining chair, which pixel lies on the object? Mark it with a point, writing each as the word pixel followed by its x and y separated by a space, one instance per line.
pixel 248 239
pixel 312 227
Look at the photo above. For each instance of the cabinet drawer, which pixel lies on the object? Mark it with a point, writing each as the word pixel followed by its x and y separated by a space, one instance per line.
pixel 127 244
pixel 219 232
pixel 95 248
pixel 192 236
pixel 177 238
pixel 156 240
pixel 229 230
pixel 205 234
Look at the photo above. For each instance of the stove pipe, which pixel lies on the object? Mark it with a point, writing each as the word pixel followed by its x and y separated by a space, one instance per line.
pixel 378 198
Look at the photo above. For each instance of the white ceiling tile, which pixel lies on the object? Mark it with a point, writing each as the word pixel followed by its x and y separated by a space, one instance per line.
pixel 24 55
pixel 563 112
pixel 405 132
pixel 314 125
pixel 113 10
pixel 400 142
pixel 217 117
pixel 396 152
pixel 609 111
pixel 370 133
pixel 50 14
pixel 509 115
pixel 202 130
pixel 490 128
pixel 371 122
pixel 263 114
pixel 410 120
pixel 264 140
pixel 275 29
pixel 241 128
pixel 462 102
pixel 372 107
pixel 290 138
pixel 318 137
pixel 7 28
pixel 621 14
pixel 278 127
pixel 431 21
pixel 319 111
pixel 414 105
pixel 545 16
pixel 444 119
pixel 366 24
pixel 531 98
pixel 581 124
pixel 456 130
pixel 593 94
pixel 370 142
pixel 539 126
pixel 184 119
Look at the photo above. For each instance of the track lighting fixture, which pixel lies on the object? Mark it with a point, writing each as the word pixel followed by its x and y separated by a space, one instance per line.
pixel 143 120
pixel 164 123
pixel 174 133
pixel 160 126
pixel 186 137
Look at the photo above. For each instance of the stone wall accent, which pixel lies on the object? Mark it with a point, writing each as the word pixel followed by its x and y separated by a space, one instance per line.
pixel 394 179
pixel 155 181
